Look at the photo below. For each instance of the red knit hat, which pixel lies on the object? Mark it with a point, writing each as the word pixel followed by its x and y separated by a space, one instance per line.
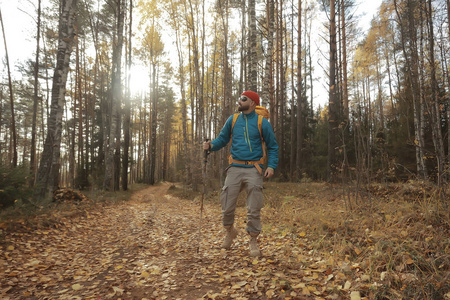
pixel 252 95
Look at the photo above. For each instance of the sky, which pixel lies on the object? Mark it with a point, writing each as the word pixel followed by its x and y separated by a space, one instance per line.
pixel 20 32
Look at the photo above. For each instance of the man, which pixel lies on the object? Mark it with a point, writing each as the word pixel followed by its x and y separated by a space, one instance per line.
pixel 245 169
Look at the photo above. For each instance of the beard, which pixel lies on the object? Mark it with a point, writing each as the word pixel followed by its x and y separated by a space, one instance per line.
pixel 243 107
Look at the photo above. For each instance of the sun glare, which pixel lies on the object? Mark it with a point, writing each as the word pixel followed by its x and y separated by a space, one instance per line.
pixel 139 80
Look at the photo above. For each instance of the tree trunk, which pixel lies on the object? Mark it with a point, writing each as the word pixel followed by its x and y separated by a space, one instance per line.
pixel 115 96
pixel 332 105
pixel 11 98
pixel 268 75
pixel 300 104
pixel 344 64
pixel 252 56
pixel 48 172
pixel 154 123
pixel 436 113
pixel 293 134
pixel 126 122
pixel 35 100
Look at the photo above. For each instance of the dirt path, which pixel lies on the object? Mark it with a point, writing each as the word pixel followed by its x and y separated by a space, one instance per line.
pixel 146 248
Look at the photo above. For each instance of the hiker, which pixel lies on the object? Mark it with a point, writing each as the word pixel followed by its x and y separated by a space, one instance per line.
pixel 246 159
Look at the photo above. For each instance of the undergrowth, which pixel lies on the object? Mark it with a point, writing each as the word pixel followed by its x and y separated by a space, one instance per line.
pixel 24 216
pixel 401 238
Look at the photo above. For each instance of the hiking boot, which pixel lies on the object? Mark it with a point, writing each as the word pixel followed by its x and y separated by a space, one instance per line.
pixel 231 234
pixel 254 249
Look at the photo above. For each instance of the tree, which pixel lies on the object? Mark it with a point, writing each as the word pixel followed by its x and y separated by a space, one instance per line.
pixel 333 107
pixel 252 54
pixel 300 100
pixel 48 172
pixel 112 162
pixel 11 97
pixel 35 99
pixel 127 119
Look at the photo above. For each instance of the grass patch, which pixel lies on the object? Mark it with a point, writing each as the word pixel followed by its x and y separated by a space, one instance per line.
pixel 400 236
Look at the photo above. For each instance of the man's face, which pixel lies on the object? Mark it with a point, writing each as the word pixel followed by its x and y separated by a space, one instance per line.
pixel 244 103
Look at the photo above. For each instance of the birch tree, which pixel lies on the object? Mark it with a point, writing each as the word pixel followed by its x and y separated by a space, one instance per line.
pixel 48 173
pixel 11 97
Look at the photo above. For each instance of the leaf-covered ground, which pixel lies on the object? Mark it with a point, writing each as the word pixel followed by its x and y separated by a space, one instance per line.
pixel 151 247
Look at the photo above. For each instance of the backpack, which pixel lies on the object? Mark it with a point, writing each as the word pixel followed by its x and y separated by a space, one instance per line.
pixel 262 113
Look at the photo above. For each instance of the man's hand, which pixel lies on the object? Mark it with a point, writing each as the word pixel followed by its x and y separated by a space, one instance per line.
pixel 268 173
pixel 207 145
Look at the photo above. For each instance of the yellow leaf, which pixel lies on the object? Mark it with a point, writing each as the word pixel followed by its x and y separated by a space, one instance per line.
pixel 77 287
pixel 306 292
pixel 312 288
pixel 301 285
pixel 355 295
pixel 302 234
pixel 241 283
pixel 269 293
pixel 145 274
pixel 255 262
pixel 347 285
pixel 357 251
pixel 10 248
pixel 117 290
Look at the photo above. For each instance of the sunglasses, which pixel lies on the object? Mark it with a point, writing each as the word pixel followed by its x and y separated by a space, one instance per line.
pixel 243 98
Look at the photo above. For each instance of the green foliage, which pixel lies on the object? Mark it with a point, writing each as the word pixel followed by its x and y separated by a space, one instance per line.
pixel 13 185
pixel 82 179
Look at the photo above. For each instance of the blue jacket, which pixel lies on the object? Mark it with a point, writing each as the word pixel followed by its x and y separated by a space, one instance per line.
pixel 246 142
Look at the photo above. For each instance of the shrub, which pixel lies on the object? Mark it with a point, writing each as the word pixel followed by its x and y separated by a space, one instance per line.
pixel 13 185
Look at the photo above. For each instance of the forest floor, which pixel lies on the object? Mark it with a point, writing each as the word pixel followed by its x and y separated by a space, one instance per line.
pixel 154 246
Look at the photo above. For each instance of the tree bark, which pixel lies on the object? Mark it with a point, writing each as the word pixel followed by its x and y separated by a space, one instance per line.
pixel 267 90
pixel 436 114
pixel 35 100
pixel 126 122
pixel 115 96
pixel 344 64
pixel 300 104
pixel 11 98
pixel 48 173
pixel 252 56
pixel 332 105
pixel 154 123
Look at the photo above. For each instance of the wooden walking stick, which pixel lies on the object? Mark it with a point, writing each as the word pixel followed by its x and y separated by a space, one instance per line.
pixel 205 162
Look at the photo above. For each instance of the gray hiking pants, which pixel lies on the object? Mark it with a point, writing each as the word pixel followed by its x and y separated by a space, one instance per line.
pixel 237 179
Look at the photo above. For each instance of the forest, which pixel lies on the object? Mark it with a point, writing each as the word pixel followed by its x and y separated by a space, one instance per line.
pixel 102 168
pixel 73 120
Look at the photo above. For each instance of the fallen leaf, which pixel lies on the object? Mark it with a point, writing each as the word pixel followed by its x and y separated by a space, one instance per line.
pixel 270 293
pixel 77 287
pixel 347 285
pixel 355 295
pixel 117 290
